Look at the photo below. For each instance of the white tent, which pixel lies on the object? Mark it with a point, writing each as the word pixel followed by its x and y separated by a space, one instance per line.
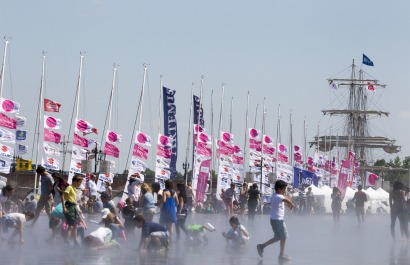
pixel 327 190
pixel 374 195
pixel 384 194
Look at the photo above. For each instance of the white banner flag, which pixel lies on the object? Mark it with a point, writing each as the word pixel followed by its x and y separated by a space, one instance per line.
pixel 7 137
pixel 50 163
pixel 50 150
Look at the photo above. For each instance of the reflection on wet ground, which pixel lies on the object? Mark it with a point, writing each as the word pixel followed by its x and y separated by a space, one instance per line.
pixel 313 240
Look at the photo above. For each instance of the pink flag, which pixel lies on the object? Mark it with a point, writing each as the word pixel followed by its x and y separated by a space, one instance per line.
pixel 267 140
pixel 268 150
pixel 111 150
pixel 164 140
pixel 112 137
pixel 370 87
pixel 142 138
pixel 52 123
pixel 7 122
pixel 237 160
pixel 254 133
pixel 9 106
pixel 85 127
pixel 254 144
pixel 163 152
pixel 345 177
pixel 81 141
pixel 371 179
pixel 282 158
pixel 227 137
pixel 203 177
pixel 198 128
pixel 282 148
pixel 51 106
pixel 203 149
pixel 140 152
pixel 296 148
pixel 51 136
pixel 237 150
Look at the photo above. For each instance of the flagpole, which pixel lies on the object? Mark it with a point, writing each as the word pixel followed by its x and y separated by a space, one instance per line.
pixel 111 96
pixel 263 132
pixel 230 119
pixel 3 67
pixel 291 140
pixel 256 115
pixel 246 131
pixel 304 142
pixel 278 139
pixel 212 137
pixel 39 117
pixel 221 110
pixel 160 103
pixel 189 134
pixel 79 84
pixel 142 96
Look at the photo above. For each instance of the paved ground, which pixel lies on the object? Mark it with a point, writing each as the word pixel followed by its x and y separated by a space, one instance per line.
pixel 313 240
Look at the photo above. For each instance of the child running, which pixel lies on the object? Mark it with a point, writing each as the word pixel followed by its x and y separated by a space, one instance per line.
pixel 71 213
pixel 277 222
pixel 237 234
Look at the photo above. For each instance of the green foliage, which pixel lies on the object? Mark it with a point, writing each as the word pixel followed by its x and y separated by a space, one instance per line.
pixel 398 170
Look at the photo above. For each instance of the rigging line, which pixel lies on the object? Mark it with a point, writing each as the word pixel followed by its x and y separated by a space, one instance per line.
pixel 341 71
pixel 133 130
pixel 72 116
pixel 150 110
pixel 106 119
pixel 10 77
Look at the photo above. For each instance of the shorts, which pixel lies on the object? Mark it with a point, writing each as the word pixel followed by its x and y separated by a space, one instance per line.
pixel 279 229
pixel 163 236
pixel 359 210
pixel 44 201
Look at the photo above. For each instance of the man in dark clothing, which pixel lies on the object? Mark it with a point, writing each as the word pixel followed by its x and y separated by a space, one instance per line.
pixel 360 198
pixel 151 233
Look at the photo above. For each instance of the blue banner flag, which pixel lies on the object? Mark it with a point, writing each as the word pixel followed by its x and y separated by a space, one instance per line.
pixel 170 126
pixel 198 112
pixel 367 61
pixel 21 135
pixel 304 177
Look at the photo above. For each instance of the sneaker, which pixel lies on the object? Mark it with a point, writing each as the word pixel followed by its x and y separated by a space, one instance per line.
pixel 285 258
pixel 260 249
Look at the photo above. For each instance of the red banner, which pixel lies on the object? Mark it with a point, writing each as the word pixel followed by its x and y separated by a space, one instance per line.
pixel 162 151
pixel 51 106
pixel 203 178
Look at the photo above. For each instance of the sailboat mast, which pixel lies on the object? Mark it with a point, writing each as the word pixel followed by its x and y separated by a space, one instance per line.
pixel 212 137
pixel 142 96
pixel 277 142
pixel 263 133
pixel 221 110
pixel 3 66
pixel 304 142
pixel 160 103
pixel 256 115
pixel 291 140
pixel 39 116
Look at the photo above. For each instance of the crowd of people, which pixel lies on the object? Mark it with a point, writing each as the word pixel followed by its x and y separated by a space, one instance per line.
pixel 66 206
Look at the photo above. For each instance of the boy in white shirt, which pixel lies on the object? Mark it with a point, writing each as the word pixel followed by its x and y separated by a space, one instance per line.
pixel 277 222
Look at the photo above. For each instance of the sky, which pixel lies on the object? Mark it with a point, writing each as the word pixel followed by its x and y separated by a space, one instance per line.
pixel 279 50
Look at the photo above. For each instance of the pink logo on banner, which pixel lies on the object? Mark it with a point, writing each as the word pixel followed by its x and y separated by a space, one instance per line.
pixel 7 105
pixel 203 137
pixel 237 149
pixel 253 133
pixel 112 137
pixel 51 136
pixel 296 148
pixel 226 137
pixel 163 152
pixel 111 150
pixel 282 148
pixel 81 141
pixel 282 158
pixel 164 140
pixel 51 122
pixel 198 128
pixel 268 150
pixel 143 139
pixel 83 126
pixel 7 122
pixel 140 152
pixel 267 140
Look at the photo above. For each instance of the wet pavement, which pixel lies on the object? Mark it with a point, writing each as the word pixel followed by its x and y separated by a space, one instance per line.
pixel 312 240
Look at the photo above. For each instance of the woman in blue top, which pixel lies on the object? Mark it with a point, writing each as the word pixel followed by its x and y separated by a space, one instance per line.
pixel 168 214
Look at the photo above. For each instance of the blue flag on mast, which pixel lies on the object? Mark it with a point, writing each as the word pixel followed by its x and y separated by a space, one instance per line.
pixel 170 126
pixel 367 61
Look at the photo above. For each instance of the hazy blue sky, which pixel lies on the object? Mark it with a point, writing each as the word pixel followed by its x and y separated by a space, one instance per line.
pixel 281 50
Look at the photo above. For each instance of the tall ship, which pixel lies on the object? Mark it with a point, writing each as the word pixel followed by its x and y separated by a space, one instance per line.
pixel 353 111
